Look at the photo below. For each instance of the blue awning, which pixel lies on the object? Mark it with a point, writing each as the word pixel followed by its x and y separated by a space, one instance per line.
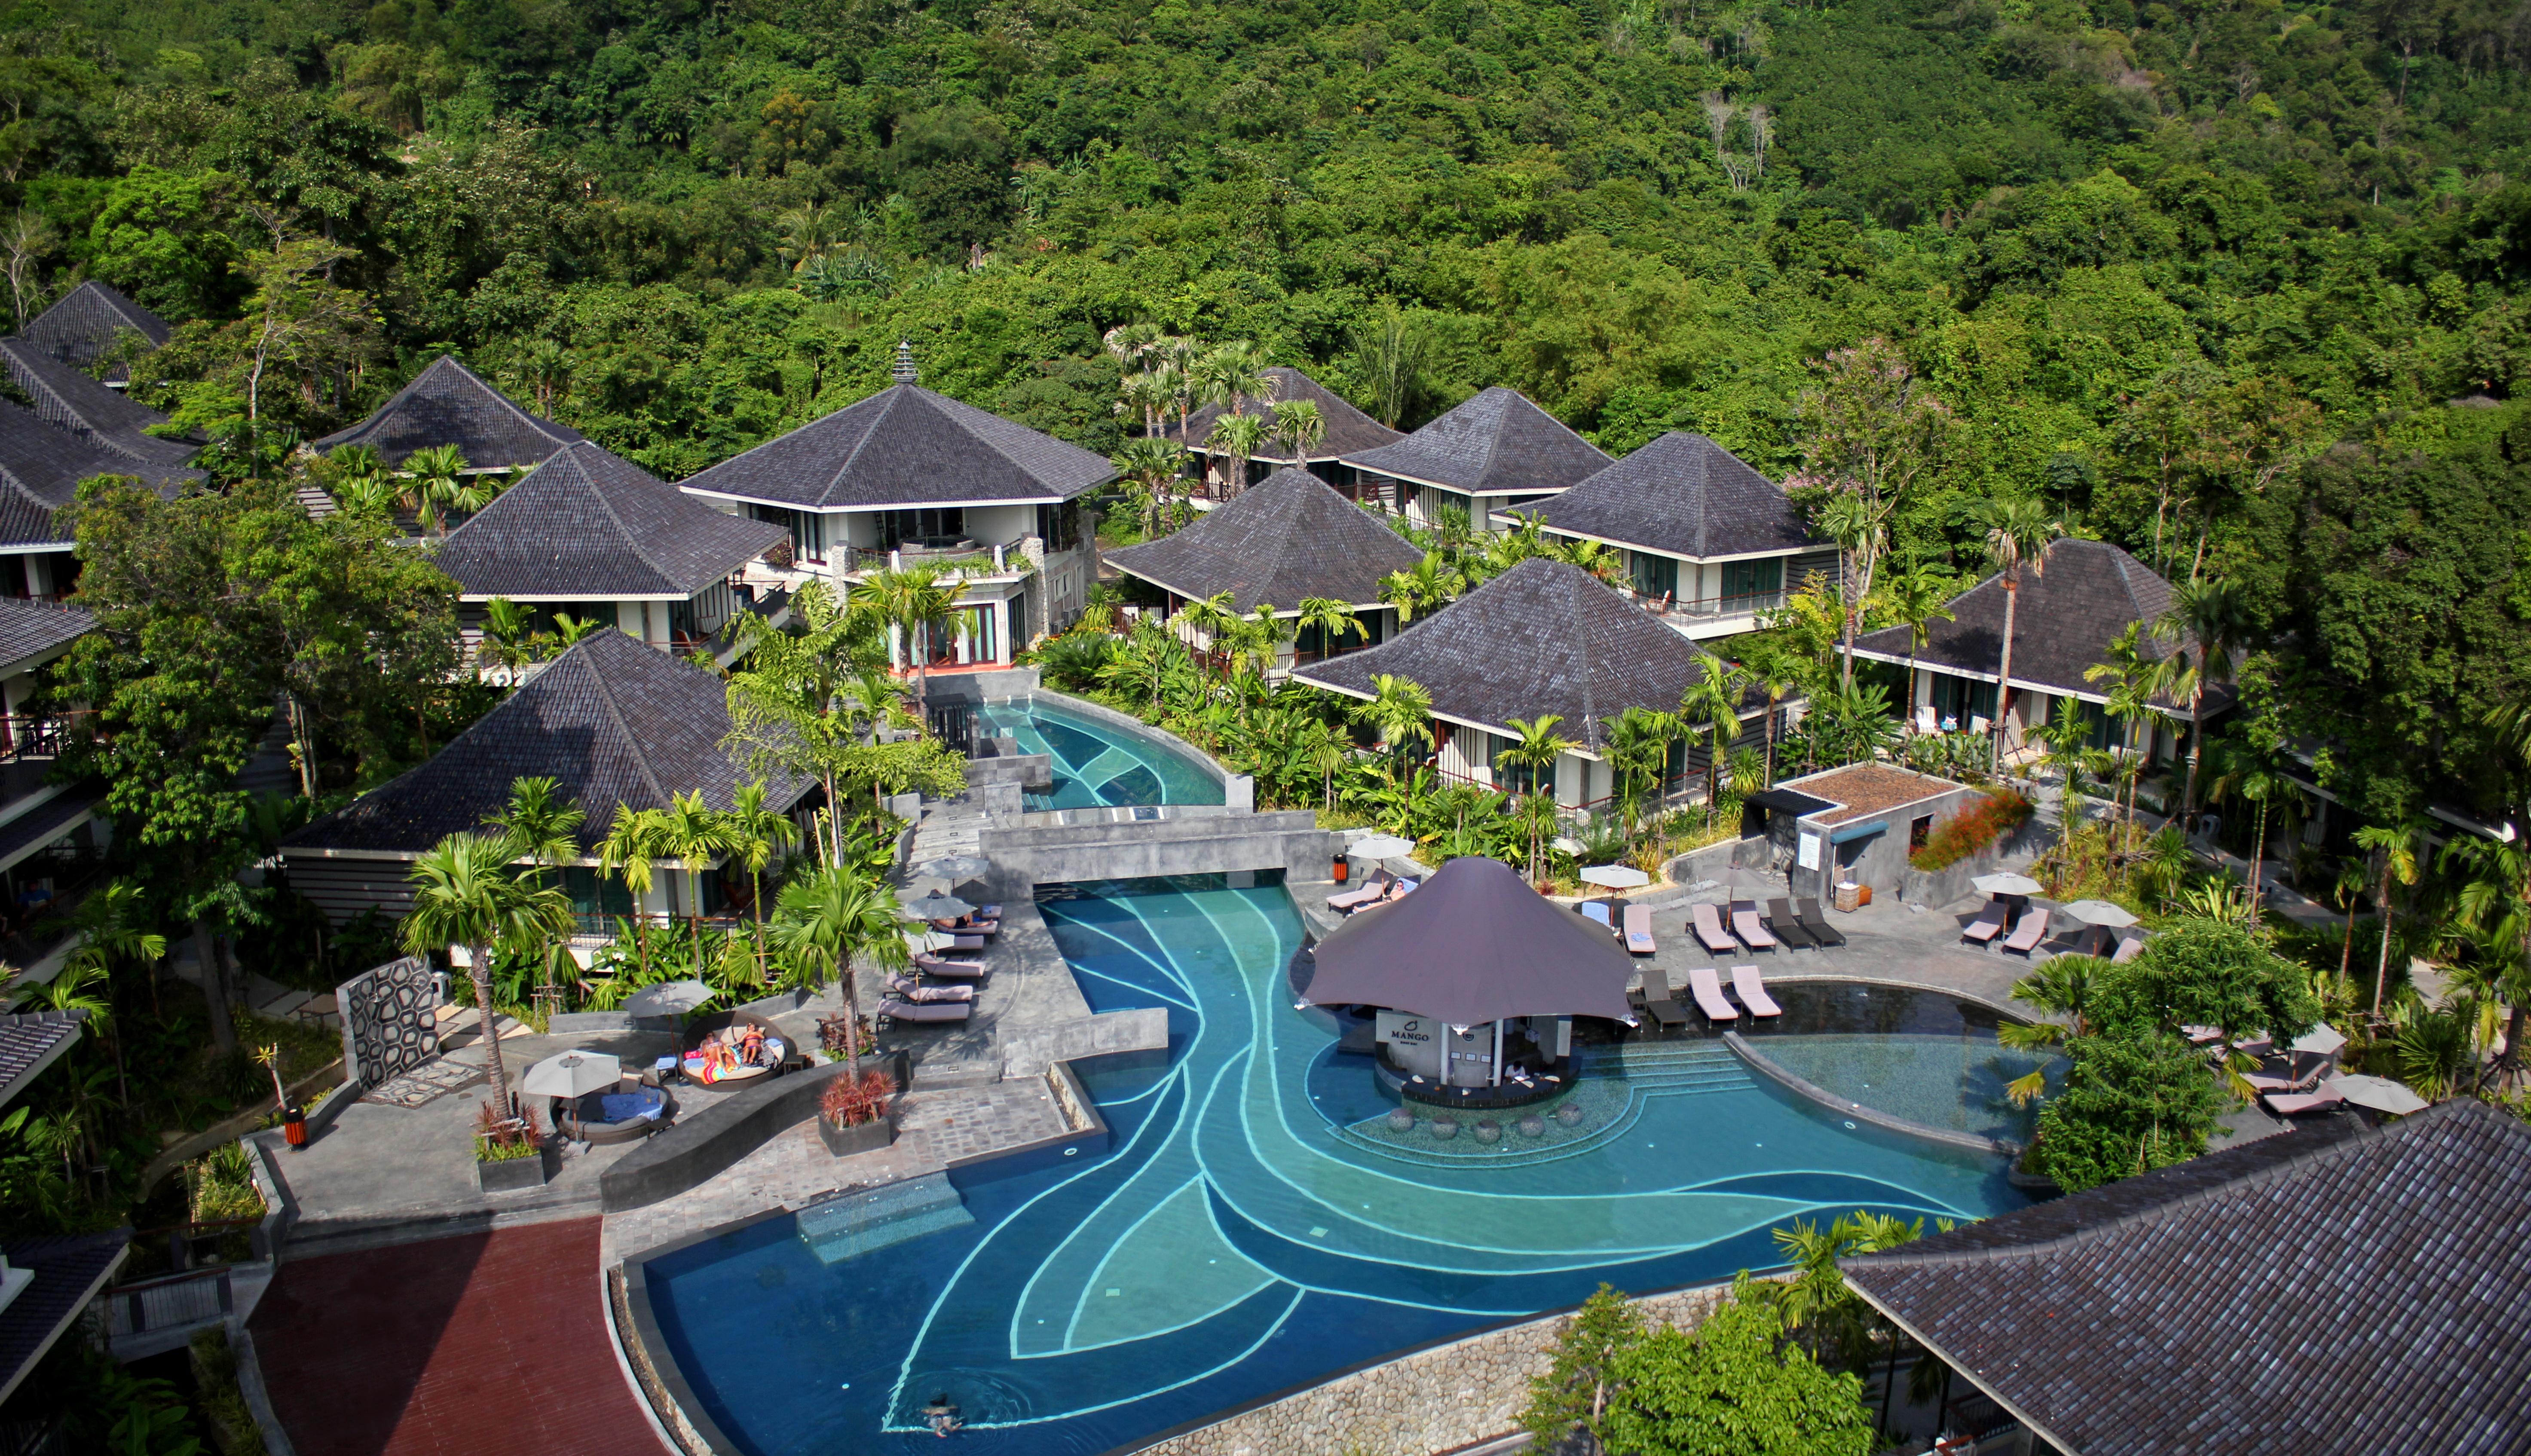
pixel 1858 832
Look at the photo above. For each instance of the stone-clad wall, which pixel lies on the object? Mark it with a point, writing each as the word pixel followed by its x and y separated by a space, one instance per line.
pixel 1434 1400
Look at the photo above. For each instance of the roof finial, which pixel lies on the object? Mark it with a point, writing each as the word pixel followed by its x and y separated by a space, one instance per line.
pixel 904 372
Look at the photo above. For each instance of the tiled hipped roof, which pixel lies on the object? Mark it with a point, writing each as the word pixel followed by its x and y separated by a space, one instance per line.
pixel 1682 495
pixel 612 721
pixel 1496 442
pixel 1348 428
pixel 31 1042
pixel 449 404
pixel 906 446
pixel 1542 637
pixel 31 629
pixel 1285 539
pixel 84 324
pixel 40 468
pixel 2329 1289
pixel 2069 615
pixel 70 400
pixel 70 1271
pixel 587 523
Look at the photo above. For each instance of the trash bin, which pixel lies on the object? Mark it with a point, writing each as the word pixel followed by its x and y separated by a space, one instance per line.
pixel 1850 895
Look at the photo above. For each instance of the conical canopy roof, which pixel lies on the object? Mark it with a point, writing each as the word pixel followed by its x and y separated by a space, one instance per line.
pixel 1474 944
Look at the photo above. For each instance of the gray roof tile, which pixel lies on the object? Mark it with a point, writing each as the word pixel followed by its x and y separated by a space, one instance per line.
pixel 107 418
pixel 31 1042
pixel 31 629
pixel 1287 537
pixel 449 404
pixel 2333 1288
pixel 1496 442
pixel 40 468
pixel 1682 495
pixel 84 324
pixel 587 524
pixel 70 1270
pixel 1542 637
pixel 612 721
pixel 1348 429
pixel 906 446
pixel 2087 594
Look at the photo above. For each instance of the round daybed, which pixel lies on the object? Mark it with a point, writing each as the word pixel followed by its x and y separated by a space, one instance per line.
pixel 588 1119
pixel 724 1029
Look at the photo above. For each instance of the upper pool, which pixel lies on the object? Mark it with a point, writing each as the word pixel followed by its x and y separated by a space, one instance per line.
pixel 1096 762
pixel 1244 1233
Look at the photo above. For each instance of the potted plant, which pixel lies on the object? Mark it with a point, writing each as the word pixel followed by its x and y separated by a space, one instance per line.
pixel 513 1152
pixel 853 1115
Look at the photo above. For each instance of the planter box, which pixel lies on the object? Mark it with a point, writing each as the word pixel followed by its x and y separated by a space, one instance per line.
pixel 516 1173
pixel 867 1137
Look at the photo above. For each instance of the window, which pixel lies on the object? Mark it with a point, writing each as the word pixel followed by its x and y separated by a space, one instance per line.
pixel 807 529
pixel 1654 575
pixel 1919 831
pixel 946 525
pixel 1753 583
pixel 1059 524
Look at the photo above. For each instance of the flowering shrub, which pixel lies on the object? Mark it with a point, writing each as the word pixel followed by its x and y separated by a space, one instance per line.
pixel 1972 829
pixel 848 1102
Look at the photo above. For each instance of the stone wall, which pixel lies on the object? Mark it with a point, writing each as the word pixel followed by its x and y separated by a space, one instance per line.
pixel 1199 844
pixel 1434 1400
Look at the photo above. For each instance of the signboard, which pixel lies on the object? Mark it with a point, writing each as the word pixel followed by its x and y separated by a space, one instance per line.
pixel 1404 1029
pixel 1810 850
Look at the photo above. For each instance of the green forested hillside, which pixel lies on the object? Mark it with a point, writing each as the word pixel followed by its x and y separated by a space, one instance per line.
pixel 2154 260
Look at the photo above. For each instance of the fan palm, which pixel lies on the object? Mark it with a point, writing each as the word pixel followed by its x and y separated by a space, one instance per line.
pixel 834 916
pixel 1237 436
pixel 464 895
pixel 911 601
pixel 440 484
pixel 1298 429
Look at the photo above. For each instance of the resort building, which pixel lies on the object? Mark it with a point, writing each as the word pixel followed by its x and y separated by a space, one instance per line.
pixel 1490 454
pixel 41 466
pixel 2076 600
pixel 1856 825
pixel 52 842
pixel 2339 1287
pixel 1348 431
pixel 69 400
pixel 1542 638
pixel 591 534
pixel 1288 540
pixel 908 476
pixel 615 724
pixel 93 323
pixel 1707 543
pixel 449 404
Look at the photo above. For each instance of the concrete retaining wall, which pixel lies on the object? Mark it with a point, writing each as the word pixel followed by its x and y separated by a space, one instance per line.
pixel 1029 1050
pixel 1716 860
pixel 694 1148
pixel 1438 1399
pixel 1940 887
pixel 1209 844
pixel 1027 771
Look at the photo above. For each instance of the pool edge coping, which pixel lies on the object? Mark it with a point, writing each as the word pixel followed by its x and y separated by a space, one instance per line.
pixel 1802 1086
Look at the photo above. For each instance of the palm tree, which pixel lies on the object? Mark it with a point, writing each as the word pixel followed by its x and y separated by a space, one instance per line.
pixel 1916 601
pixel 2495 899
pixel 2207 617
pixel 440 484
pixel 1237 436
pixel 544 828
pixel 2061 986
pixel 1851 523
pixel 1180 357
pixel 2137 686
pixel 756 835
pixel 1145 393
pixel 465 895
pixel 2248 774
pixel 1333 620
pixel 1234 374
pixel 1535 750
pixel 911 600
pixel 690 832
pixel 1638 747
pixel 1299 428
pixel 1430 582
pixel 1389 361
pixel 631 852
pixel 2392 850
pixel 1402 711
pixel 1713 704
pixel 809 693
pixel 1152 463
pixel 2018 534
pixel 360 481
pixel 570 630
pixel 831 916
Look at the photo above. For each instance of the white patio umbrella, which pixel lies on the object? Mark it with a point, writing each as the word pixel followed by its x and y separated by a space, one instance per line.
pixel 2007 883
pixel 1616 876
pixel 2097 913
pixel 2379 1093
pixel 956 866
pixel 668 998
pixel 571 1073
pixel 1382 847
pixel 933 906
pixel 2321 1040
pixel 1565 844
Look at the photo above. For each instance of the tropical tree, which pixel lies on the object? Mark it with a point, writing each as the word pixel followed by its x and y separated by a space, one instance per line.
pixel 1860 532
pixel 1152 463
pixel 1390 359
pixel 1712 705
pixel 1429 583
pixel 1535 750
pixel 542 827
pixel 1868 433
pixel 1402 711
pixel 437 478
pixel 571 631
pixel 1146 395
pixel 2391 852
pixel 2207 619
pixel 2494 898
pixel 1334 621
pixel 1299 426
pixel 2138 686
pixel 465 896
pixel 756 835
pixel 1234 375
pixel 2018 534
pixel 1638 744
pixel 1237 436
pixel 910 601
pixel 694 835
pixel 2253 773
pixel 1916 601
pixel 834 916
pixel 631 852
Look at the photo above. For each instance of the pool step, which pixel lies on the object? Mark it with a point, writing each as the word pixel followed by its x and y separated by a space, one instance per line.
pixel 1671 1066
pixel 872 1219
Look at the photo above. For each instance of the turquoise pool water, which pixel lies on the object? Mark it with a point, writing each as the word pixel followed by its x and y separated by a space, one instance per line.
pixel 1098 764
pixel 1249 1229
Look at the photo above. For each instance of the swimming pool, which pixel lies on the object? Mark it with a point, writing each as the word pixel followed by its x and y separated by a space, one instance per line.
pixel 1098 764
pixel 1243 1234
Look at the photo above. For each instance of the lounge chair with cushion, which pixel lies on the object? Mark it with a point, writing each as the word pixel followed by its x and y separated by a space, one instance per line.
pixel 2270 1084
pixel 1639 930
pixel 961 942
pixel 2202 1035
pixel 892 1008
pixel 1710 999
pixel 2128 950
pixel 2294 1105
pixel 630 1112
pixel 1785 926
pixel 2094 940
pixel 1709 929
pixel 940 970
pixel 968 925
pixel 908 989
pixel 1360 895
pixel 1744 924
pixel 1753 991
pixel 1659 1002
pixel 1596 912
pixel 1817 924
pixel 2025 937
pixel 1988 925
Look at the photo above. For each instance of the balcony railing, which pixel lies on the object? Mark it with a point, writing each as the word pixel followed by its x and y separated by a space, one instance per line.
pixel 37 735
pixel 967 555
pixel 1709 608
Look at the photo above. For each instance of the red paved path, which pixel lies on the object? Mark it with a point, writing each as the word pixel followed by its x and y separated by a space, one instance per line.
pixel 471 1346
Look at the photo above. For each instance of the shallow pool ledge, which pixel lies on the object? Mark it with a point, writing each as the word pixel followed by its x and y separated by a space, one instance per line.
pixel 1802 1086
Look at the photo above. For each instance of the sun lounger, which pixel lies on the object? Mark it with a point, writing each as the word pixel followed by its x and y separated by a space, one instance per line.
pixel 1753 991
pixel 1709 929
pixel 959 942
pixel 988 912
pixel 1988 925
pixel 2278 1084
pixel 1787 927
pixel 1658 1002
pixel 2294 1105
pixel 1710 999
pixel 2202 1035
pixel 892 1009
pixel 940 970
pixel 1639 930
pixel 2128 950
pixel 1360 895
pixel 2094 940
pixel 1817 924
pixel 1596 912
pixel 2258 1045
pixel 2025 937
pixel 1744 924
pixel 910 989
pixel 1404 889
pixel 967 926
